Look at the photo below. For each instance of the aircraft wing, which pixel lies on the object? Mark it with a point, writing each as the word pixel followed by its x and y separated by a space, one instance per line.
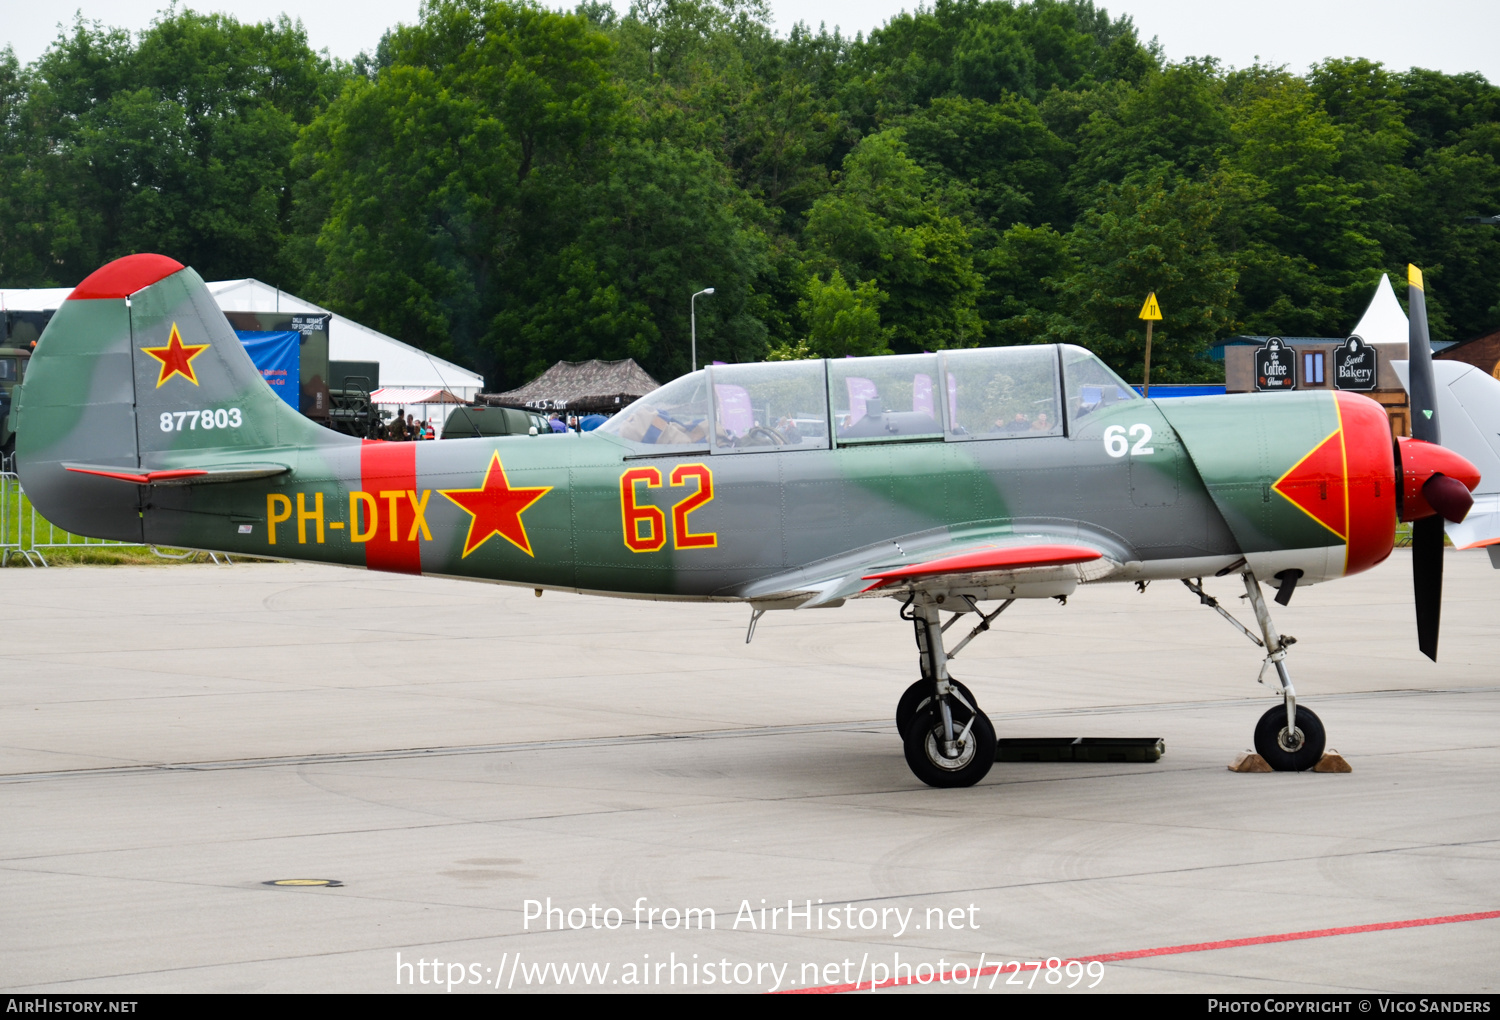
pixel 982 559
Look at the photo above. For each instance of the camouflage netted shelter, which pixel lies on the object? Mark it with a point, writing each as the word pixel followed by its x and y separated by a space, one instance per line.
pixel 580 387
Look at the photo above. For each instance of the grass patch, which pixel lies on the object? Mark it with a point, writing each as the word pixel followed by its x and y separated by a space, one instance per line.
pixel 110 556
pixel 16 515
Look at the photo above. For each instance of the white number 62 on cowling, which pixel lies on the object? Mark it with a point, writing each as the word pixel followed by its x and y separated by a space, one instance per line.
pixel 1116 445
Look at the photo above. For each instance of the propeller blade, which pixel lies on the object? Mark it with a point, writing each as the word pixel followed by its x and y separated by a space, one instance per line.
pixel 1423 390
pixel 1427 533
pixel 1427 580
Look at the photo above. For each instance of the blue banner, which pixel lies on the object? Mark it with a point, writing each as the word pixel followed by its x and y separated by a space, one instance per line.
pixel 279 358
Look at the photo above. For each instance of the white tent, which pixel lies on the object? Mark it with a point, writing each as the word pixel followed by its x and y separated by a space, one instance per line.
pixel 1383 322
pixel 41 299
pixel 400 364
pixel 423 404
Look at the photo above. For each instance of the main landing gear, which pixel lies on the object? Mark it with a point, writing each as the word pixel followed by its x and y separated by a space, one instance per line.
pixel 949 741
pixel 1289 737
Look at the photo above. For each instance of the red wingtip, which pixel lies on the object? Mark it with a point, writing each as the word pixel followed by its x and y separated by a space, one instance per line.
pixel 123 277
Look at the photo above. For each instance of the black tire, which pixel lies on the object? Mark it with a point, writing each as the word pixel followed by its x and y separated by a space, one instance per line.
pixel 1269 744
pixel 919 694
pixel 924 750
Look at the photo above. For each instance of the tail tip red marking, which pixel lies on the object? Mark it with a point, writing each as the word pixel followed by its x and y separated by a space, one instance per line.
pixel 124 276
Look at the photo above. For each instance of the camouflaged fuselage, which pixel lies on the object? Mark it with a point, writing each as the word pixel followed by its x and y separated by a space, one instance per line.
pixel 143 419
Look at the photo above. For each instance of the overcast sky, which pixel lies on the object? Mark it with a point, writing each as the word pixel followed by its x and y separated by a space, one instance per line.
pixel 1447 35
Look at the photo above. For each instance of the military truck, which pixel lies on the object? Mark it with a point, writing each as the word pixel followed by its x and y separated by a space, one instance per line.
pixel 350 409
pixel 12 371
pixel 19 332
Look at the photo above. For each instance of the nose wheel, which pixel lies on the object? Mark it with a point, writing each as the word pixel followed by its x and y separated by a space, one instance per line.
pixel 1290 750
pixel 1289 737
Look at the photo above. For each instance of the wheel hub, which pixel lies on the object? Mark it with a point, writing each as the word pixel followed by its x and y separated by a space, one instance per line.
pixel 1290 742
pixel 935 742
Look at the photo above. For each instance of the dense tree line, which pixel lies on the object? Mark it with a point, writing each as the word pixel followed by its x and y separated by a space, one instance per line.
pixel 507 185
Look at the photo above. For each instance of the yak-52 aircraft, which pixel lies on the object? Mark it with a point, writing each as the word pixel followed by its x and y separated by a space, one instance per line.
pixel 943 480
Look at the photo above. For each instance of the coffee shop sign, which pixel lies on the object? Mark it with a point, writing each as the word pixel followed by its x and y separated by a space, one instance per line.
pixel 1275 366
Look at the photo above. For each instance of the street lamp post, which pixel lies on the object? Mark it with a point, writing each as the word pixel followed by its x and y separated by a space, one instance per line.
pixel 693 317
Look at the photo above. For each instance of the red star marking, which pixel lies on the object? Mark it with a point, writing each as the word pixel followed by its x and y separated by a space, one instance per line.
pixel 175 358
pixel 496 509
pixel 1316 484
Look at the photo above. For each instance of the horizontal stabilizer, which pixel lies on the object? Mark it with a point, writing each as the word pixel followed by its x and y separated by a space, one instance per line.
pixel 182 476
pixel 1481 527
pixel 995 558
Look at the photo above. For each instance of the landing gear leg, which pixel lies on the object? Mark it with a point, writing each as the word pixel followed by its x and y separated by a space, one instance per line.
pixel 949 742
pixel 1289 738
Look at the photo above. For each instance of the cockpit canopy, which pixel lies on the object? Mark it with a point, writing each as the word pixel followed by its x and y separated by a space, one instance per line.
pixel 953 396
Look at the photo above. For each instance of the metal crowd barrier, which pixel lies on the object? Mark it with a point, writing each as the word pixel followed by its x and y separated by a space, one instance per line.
pixel 26 533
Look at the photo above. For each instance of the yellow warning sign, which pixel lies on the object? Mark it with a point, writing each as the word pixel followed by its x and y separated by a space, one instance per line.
pixel 1151 310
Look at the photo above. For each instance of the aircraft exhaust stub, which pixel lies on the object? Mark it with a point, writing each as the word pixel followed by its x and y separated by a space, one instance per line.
pixel 945 479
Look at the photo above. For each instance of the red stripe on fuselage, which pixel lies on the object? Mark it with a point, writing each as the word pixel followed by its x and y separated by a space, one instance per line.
pixel 390 468
pixel 1370 467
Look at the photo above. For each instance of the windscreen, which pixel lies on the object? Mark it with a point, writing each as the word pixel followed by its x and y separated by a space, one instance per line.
pixel 1090 385
pixel 673 417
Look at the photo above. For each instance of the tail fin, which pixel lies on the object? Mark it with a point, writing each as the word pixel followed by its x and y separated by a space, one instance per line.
pixel 139 374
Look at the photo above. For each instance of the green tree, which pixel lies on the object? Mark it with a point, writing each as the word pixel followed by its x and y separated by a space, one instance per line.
pixel 1154 232
pixel 1022 272
pixel 428 184
pixel 1176 118
pixel 844 321
pixel 180 143
pixel 886 220
pixel 660 222
pixel 1002 150
pixel 1308 253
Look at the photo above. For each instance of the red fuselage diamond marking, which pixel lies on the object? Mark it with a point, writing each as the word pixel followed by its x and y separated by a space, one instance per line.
pixel 1316 485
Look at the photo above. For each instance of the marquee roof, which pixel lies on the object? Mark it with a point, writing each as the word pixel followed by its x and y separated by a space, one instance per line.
pixel 582 386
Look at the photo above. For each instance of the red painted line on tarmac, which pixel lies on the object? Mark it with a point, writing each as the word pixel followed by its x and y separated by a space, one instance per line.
pixel 1139 954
